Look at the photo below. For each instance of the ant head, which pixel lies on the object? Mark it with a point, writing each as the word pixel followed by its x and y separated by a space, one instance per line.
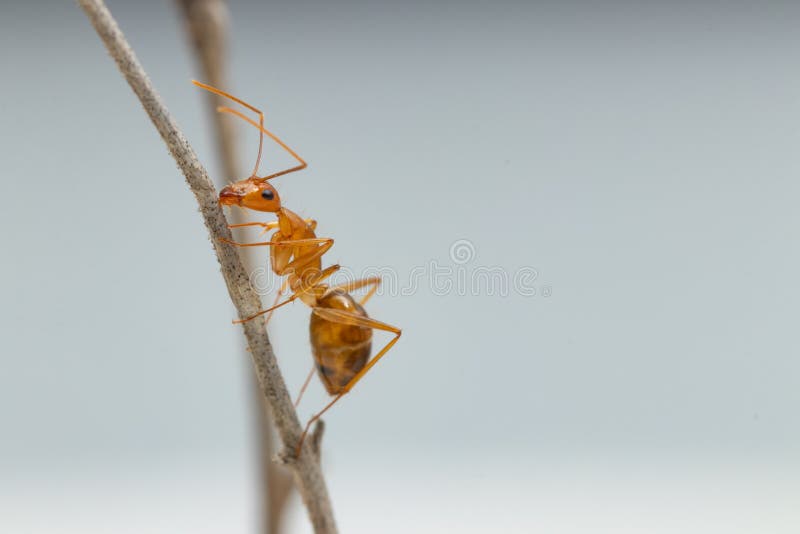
pixel 253 193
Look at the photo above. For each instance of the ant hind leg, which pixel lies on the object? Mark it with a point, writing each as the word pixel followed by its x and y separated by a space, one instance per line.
pixel 349 318
pixel 374 281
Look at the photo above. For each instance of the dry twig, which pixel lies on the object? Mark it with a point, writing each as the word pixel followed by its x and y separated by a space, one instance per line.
pixel 207 23
pixel 306 469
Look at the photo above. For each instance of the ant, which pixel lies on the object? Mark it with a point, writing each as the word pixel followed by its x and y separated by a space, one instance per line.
pixel 340 329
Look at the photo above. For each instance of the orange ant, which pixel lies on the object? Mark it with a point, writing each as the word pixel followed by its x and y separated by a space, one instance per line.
pixel 340 329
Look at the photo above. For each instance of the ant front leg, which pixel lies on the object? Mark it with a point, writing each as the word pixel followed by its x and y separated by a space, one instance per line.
pixel 354 319
pixel 267 226
pixel 301 260
pixel 290 243
pixel 272 225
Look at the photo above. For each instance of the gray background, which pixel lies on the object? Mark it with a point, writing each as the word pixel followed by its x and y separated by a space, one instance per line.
pixel 642 157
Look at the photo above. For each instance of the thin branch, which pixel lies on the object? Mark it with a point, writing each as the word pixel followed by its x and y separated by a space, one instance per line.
pixel 207 23
pixel 306 469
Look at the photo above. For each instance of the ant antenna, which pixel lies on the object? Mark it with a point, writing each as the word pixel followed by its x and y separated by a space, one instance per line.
pixel 301 161
pixel 252 108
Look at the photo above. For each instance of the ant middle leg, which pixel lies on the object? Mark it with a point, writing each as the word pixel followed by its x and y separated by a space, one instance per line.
pixel 281 289
pixel 305 386
pixel 310 285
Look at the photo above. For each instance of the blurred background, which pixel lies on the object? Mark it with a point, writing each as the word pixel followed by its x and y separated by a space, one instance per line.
pixel 636 161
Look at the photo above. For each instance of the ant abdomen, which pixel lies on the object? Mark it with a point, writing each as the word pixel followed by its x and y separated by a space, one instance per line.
pixel 340 350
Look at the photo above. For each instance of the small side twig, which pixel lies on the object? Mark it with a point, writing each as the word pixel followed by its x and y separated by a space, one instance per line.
pixel 207 24
pixel 306 469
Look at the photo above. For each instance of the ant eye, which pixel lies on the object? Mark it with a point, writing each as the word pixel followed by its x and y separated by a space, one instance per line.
pixel 267 194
